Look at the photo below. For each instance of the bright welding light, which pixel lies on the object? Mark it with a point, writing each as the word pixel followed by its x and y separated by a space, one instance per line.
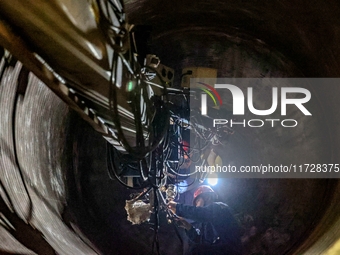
pixel 212 179
pixel 182 186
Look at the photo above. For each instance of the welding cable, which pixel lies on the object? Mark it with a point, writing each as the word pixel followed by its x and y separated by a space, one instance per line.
pixel 177 183
pixel 121 137
pixel 156 225
pixel 178 174
pixel 112 171
pixel 142 150
pixel 113 32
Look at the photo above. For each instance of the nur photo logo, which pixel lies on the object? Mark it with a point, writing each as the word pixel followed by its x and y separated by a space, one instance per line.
pixel 281 97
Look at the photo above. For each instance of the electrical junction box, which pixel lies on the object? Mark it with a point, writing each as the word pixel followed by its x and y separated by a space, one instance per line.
pixel 204 73
pixel 155 71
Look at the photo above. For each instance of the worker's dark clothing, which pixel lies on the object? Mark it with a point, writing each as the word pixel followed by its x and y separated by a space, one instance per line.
pixel 215 231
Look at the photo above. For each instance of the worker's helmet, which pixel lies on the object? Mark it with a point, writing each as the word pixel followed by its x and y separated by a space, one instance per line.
pixel 185 146
pixel 204 190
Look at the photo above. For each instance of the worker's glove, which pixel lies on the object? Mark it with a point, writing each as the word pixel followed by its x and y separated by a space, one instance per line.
pixel 172 206
pixel 182 223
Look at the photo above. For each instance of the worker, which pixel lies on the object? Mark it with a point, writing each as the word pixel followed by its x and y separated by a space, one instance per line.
pixel 214 230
